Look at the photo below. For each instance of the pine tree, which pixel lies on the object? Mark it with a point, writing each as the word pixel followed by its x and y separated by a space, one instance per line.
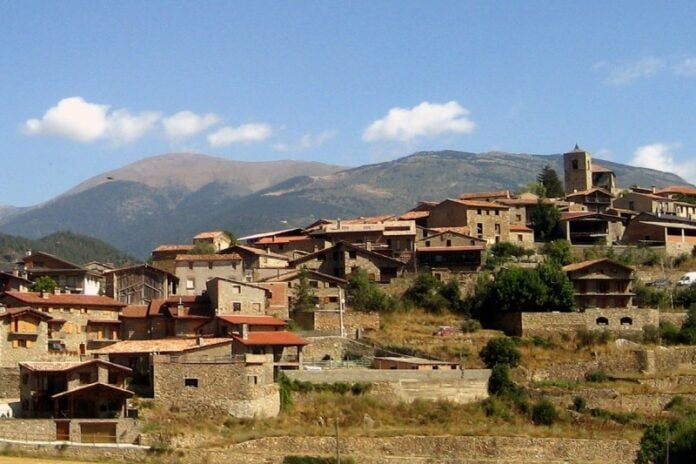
pixel 552 184
pixel 304 293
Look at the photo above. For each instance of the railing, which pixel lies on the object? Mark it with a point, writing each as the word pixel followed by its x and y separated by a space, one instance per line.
pixel 203 359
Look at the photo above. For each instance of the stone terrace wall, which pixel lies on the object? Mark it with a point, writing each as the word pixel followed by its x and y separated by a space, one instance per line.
pixel 408 385
pixel 676 319
pixel 334 348
pixel 9 382
pixel 45 429
pixel 329 322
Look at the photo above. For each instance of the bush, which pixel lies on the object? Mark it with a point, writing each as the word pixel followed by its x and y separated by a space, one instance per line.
pixel 495 407
pixel 669 334
pixel 499 383
pixel 558 251
pixel 364 295
pixel 579 404
pixel 471 326
pixel 651 334
pixel 544 413
pixel 586 337
pixel 596 376
pixel 501 350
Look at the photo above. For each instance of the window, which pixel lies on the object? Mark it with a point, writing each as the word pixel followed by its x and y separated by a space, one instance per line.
pixel 479 229
pixel 518 218
pixel 210 264
pixel 602 321
pixel 85 378
pixel 497 229
pixel 520 238
pixel 333 285
pixel 449 243
pixel 191 382
pixel 575 164
pixel 478 211
pixel 252 379
pixel 236 306
pixel 190 284
pixel 190 265
pixel 631 205
pixel 626 321
pixel 427 243
pixel 352 254
pixel 314 284
pixel 237 289
pixel 335 255
pixel 497 212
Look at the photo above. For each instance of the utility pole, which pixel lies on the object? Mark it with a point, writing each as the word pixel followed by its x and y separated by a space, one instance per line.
pixel 341 304
pixel 338 445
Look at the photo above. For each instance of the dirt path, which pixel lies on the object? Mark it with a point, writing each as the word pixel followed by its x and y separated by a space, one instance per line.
pixel 13 460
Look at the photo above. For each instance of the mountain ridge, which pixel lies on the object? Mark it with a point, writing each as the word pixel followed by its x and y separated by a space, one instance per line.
pixel 135 216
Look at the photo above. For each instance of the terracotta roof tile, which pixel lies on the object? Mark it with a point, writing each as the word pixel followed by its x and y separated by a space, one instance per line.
pixel 69 365
pixel 451 248
pixel 591 262
pixel 173 248
pixel 479 204
pixel 519 228
pixel 74 300
pixel 134 311
pixel 683 189
pixel 414 215
pixel 484 195
pixel 209 234
pixel 282 239
pixel 163 345
pixel 225 257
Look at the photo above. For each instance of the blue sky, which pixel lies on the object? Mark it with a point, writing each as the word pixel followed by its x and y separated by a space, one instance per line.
pixel 91 86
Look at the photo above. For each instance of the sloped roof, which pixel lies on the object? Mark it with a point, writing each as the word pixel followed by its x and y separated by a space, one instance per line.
pixel 519 228
pixel 600 168
pixel 450 249
pixel 210 234
pixel 162 345
pixel 70 365
pixel 277 338
pixel 94 386
pixel 75 300
pixel 462 230
pixel 296 272
pixel 220 257
pixel 23 310
pixel 682 189
pixel 255 251
pixel 68 264
pixel 453 231
pixel 182 247
pixel 144 266
pixel 357 249
pixel 590 191
pixel 135 311
pixel 483 195
pixel 409 215
pixel 592 262
pixel 477 203
pixel 282 239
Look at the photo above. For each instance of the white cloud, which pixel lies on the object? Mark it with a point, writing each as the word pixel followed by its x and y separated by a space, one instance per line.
pixel 307 141
pixel 660 156
pixel 627 72
pixel 245 133
pixel 82 121
pixel 124 127
pixel 605 154
pixel 73 118
pixel 686 67
pixel 424 120
pixel 187 124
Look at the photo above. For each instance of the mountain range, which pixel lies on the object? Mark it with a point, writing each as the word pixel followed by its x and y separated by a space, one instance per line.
pixel 170 198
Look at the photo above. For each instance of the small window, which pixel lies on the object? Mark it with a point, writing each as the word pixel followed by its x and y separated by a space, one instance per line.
pixel 352 254
pixel 314 284
pixel 252 379
pixel 497 212
pixel 626 321
pixel 190 382
pixel 333 285
pixel 478 211
pixel 518 217
pixel 497 228
pixel 520 238
pixel 602 321
pixel 449 243
pixel 190 284
pixel 237 289
pixel 575 164
pixel 236 306
pixel 210 264
pixel 427 243
pixel 190 265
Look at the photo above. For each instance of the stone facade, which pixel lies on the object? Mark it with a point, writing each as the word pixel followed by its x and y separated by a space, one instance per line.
pixel 9 382
pixel 126 431
pixel 329 322
pixel 236 387
pixel 619 321
pixel 235 297
pixel 577 169
pixel 485 220
pixel 601 283
pixel 194 271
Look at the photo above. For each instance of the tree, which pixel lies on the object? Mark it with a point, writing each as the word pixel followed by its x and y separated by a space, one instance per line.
pixel 545 219
pixel 560 295
pixel 558 251
pixel 304 293
pixel 500 350
pixel 544 413
pixel 202 248
pixel 517 289
pixel 364 294
pixel 425 292
pixel 44 284
pixel 552 184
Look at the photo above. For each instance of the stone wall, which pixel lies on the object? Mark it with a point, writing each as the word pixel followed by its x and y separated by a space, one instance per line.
pixel 546 324
pixel 408 385
pixel 235 388
pixel 676 319
pixel 9 382
pixel 127 430
pixel 329 322
pixel 333 348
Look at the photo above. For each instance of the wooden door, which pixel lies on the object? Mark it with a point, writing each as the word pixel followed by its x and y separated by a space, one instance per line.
pixel 63 430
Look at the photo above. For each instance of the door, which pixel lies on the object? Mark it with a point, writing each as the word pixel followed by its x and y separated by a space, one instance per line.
pixel 63 430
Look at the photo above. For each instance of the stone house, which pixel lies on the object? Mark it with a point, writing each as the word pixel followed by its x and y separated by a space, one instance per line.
pixel 13 281
pixel 164 256
pixel 70 277
pixel 419 214
pixel 238 324
pixel 522 235
pixel 587 228
pixel 676 235
pixel 77 389
pixel 218 239
pixel 136 285
pixel 277 303
pixel 341 259
pixel 286 347
pixel 580 174
pixel 645 203
pixel 24 335
pixel 79 324
pixel 235 297
pixel 596 200
pixel 384 234
pixel 257 263
pixel 485 220
pixel 327 290
pixel 601 283
pixel 449 253
pixel 194 271
pixel 239 386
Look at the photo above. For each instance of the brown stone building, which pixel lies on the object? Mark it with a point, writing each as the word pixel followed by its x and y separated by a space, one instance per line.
pixel 341 259
pixel 485 220
pixel 194 271
pixel 70 277
pixel 586 228
pixel 136 285
pixel 235 297
pixel 596 200
pixel 601 283
pixel 256 262
pixel 219 240
pixel 164 256
pixel 326 289
pixel 676 235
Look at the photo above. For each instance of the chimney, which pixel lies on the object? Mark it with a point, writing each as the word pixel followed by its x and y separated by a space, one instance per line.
pixel 44 294
pixel 199 340
pixel 654 189
pixel 245 331
pixel 56 290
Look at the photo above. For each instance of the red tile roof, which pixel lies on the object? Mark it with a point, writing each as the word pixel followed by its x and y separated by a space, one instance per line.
pixel 22 310
pixel 282 239
pixel 479 204
pixel 519 228
pixel 414 215
pixel 584 264
pixel 278 338
pixel 162 345
pixel 73 300
pixel 210 234
pixel 463 230
pixel 600 168
pixel 683 189
pixel 253 320
pixel 173 248
pixel 134 311
pixel 483 195
pixel 226 257
pixel 451 248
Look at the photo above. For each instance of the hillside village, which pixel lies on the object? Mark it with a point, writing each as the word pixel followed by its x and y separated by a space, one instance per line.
pixel 228 327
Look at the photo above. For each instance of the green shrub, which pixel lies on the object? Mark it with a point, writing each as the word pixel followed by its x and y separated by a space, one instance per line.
pixel 495 407
pixel 620 417
pixel 544 413
pixel 596 376
pixel 579 404
pixel 500 382
pixel 669 334
pixel 651 334
pixel 501 350
pixel 471 326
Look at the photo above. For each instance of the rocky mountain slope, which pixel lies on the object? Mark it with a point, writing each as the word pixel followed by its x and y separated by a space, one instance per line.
pixel 169 198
